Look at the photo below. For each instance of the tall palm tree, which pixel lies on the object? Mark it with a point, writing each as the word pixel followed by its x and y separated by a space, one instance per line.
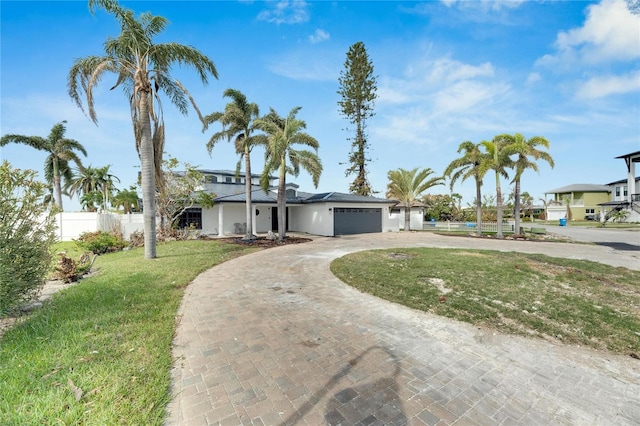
pixel 238 122
pixel 61 150
pixel 527 154
pixel 407 185
pixel 282 135
pixel 498 160
pixel 469 165
pixel 143 69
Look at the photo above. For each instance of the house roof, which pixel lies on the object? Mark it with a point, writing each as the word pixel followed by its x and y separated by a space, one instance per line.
pixel 235 193
pixel 635 156
pixel 339 197
pixel 579 187
pixel 622 181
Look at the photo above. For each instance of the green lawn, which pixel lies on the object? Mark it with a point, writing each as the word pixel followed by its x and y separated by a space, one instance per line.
pixel 108 338
pixel 577 302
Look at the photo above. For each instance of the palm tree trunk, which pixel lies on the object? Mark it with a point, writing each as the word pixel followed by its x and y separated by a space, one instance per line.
pixel 56 182
pixel 247 189
pixel 499 205
pixel 478 208
pixel 407 218
pixel 148 177
pixel 282 202
pixel 516 207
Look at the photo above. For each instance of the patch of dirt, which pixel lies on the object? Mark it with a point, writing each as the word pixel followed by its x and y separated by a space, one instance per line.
pixel 399 256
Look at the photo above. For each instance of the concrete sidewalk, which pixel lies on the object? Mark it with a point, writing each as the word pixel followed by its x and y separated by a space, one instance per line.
pixel 274 338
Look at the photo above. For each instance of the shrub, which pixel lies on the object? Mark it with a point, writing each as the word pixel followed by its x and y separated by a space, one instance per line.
pixel 66 269
pixel 26 237
pixel 100 242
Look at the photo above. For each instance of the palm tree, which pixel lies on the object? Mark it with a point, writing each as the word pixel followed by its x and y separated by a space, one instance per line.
pixel 238 122
pixel 527 154
pixel 127 198
pixel 89 200
pixel 60 149
pixel 143 70
pixel 498 160
pixel 470 164
pixel 105 182
pixel 84 180
pixel 407 185
pixel 282 135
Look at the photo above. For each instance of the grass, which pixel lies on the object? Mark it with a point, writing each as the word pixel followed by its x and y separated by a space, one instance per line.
pixel 577 302
pixel 107 337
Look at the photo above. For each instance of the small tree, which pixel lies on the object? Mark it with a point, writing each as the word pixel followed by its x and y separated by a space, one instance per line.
pixel 181 191
pixel 26 236
pixel 358 91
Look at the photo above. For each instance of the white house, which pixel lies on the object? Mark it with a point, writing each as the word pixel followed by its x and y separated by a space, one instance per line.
pixel 327 214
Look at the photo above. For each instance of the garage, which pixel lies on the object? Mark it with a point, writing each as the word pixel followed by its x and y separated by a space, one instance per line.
pixel 352 220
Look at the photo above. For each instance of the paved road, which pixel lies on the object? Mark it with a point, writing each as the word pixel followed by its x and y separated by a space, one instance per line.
pixel 274 338
pixel 622 239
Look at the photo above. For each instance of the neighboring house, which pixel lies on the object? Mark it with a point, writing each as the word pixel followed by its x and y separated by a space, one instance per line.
pixel 583 201
pixel 599 202
pixel 327 214
pixel 416 219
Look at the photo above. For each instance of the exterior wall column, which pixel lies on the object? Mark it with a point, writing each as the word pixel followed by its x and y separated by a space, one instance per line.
pixel 631 180
pixel 220 219
pixel 254 220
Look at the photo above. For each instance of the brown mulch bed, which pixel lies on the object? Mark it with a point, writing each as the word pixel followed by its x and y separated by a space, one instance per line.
pixel 266 243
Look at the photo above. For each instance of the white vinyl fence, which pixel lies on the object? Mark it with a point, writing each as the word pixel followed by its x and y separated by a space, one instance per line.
pixel 70 225
pixel 507 227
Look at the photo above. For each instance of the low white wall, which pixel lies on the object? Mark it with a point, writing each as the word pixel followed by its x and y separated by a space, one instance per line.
pixel 70 225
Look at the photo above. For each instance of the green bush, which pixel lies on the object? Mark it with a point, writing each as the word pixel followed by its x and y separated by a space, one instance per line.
pixel 26 237
pixel 100 242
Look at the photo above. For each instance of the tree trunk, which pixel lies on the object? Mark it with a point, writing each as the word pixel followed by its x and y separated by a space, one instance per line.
pixel 407 218
pixel 247 189
pixel 148 177
pixel 282 203
pixel 516 207
pixel 56 182
pixel 499 205
pixel 478 208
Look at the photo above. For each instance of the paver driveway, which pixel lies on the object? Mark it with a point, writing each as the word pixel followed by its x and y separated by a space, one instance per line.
pixel 274 338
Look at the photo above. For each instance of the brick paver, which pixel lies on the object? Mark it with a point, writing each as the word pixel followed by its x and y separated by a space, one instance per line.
pixel 274 338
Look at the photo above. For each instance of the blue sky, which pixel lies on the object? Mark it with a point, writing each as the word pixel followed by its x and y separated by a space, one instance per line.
pixel 448 71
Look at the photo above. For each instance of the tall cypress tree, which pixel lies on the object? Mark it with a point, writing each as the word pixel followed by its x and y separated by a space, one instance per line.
pixel 358 91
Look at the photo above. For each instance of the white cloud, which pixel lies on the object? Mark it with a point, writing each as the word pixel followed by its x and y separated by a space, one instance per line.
pixel 533 77
pixel 599 87
pixel 436 95
pixel 610 33
pixel 305 65
pixel 285 12
pixel 318 36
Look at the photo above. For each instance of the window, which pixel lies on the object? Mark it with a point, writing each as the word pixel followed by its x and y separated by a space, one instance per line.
pixel 191 218
pixel 617 191
pixel 238 180
pixel 228 179
pixel 589 211
pixel 212 179
pixel 626 192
